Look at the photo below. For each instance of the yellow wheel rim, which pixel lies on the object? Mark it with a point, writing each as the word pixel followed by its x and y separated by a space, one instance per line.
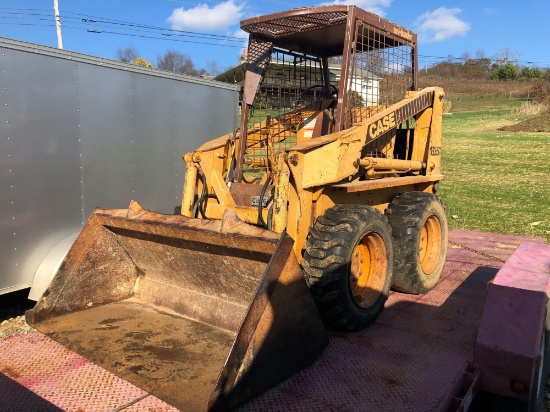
pixel 368 270
pixel 430 244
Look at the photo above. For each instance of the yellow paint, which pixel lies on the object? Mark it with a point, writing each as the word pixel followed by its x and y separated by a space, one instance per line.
pixel 318 173
pixel 220 189
pixel 189 187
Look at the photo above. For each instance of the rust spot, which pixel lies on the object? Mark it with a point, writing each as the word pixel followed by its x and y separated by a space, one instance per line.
pixel 114 320
pixel 9 372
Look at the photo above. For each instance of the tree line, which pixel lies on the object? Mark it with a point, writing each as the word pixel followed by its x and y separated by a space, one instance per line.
pixel 172 61
pixel 503 66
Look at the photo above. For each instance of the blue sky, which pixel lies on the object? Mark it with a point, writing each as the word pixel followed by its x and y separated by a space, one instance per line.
pixel 209 29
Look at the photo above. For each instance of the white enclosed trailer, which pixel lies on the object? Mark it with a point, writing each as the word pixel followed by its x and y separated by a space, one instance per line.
pixel 78 131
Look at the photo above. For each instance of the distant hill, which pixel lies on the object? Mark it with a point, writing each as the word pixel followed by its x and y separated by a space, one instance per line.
pixel 454 88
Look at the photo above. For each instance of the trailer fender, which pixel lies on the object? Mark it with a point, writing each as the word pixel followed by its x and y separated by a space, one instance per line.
pixel 509 345
pixel 51 262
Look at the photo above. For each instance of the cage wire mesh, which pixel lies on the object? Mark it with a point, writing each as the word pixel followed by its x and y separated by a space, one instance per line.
pixel 290 86
pixel 381 72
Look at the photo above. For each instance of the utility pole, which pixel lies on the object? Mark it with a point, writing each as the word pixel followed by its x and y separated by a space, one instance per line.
pixel 58 24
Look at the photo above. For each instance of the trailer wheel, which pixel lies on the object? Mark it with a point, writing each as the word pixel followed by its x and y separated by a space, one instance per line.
pixel 348 264
pixel 536 401
pixel 419 228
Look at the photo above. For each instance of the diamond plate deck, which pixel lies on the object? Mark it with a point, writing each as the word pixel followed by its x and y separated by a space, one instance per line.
pixel 406 361
pixel 38 374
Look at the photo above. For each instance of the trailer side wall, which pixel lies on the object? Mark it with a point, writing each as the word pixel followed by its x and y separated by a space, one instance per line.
pixel 77 132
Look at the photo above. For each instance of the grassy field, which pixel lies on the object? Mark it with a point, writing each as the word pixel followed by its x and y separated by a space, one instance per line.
pixel 495 181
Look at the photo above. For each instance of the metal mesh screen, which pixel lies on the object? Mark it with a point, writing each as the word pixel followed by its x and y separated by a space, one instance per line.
pixel 297 24
pixel 289 89
pixel 381 72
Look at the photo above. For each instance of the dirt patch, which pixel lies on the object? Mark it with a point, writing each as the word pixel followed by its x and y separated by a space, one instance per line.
pixel 536 124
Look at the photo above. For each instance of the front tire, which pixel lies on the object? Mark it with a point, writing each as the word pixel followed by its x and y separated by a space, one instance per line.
pixel 348 264
pixel 420 235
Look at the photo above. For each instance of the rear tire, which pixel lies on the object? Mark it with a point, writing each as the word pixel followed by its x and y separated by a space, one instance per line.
pixel 348 264
pixel 420 234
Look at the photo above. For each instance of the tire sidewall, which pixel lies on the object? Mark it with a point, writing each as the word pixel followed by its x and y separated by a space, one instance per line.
pixel 407 214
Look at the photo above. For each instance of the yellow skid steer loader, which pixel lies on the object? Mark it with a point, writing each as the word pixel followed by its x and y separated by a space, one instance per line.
pixel 303 218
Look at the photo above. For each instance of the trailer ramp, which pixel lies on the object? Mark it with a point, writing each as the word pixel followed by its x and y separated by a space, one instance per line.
pixel 408 360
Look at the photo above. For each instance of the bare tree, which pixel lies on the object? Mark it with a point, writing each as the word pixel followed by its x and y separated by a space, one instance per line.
pixel 213 68
pixel 127 54
pixel 505 56
pixel 177 62
pixel 480 54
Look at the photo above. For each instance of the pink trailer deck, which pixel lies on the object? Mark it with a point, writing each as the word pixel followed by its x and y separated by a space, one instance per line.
pixel 413 358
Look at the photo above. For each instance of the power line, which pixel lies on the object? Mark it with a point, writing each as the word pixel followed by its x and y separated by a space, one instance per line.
pixel 151 37
pixel 185 32
pixel 27 24
pixel 95 19
pixel 108 23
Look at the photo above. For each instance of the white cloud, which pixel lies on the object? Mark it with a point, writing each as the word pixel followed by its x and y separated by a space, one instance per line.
pixel 440 24
pixel 241 34
pixel 374 6
pixel 202 17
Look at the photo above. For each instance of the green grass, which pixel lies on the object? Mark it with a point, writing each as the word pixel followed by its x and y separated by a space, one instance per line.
pixel 259 115
pixel 495 181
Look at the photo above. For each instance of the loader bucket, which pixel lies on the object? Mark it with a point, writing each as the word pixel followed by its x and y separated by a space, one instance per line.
pixel 202 314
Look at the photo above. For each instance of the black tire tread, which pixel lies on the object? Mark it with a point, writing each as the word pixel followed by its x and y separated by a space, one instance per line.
pixel 328 248
pixel 404 215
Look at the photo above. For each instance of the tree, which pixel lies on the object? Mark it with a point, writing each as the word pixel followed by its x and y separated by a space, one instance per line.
pixel 447 69
pixel 127 54
pixel 354 99
pixel 506 56
pixel 140 61
pixel 508 71
pixel 541 90
pixel 480 54
pixel 177 62
pixel 466 56
pixel 213 68
pixel 335 59
pixel 532 73
pixel 478 68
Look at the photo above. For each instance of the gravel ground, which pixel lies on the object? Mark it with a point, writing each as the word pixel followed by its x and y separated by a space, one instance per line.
pixel 14 326
pixel 12 314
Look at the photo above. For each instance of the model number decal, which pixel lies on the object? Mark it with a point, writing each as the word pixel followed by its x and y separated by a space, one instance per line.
pixel 435 150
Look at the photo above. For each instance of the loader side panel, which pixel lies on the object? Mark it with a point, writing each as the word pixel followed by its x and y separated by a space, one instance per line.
pixel 74 288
